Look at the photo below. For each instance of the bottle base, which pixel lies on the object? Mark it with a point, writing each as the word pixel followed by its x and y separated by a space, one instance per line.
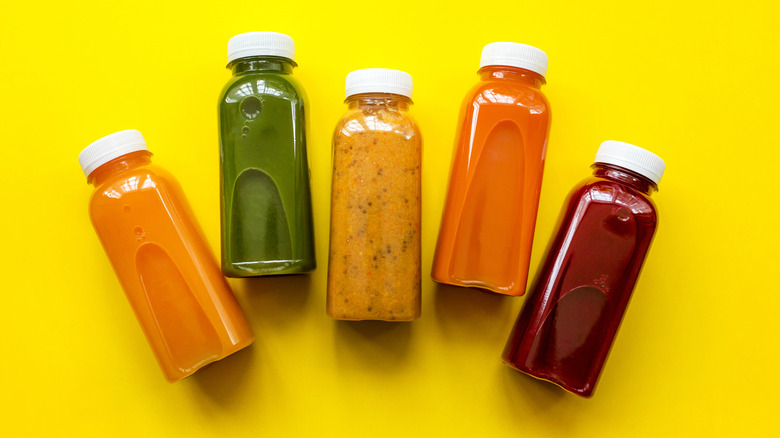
pixel 267 268
pixel 235 348
pixel 582 392
pixel 373 318
pixel 481 286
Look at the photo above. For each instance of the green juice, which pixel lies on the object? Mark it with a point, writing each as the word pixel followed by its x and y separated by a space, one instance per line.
pixel 265 196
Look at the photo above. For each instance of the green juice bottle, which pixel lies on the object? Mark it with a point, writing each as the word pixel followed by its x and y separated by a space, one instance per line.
pixel 265 199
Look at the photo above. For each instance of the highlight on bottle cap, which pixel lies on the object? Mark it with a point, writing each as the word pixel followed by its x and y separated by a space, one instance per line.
pixel 633 158
pixel 109 147
pixel 514 55
pixel 249 44
pixel 379 80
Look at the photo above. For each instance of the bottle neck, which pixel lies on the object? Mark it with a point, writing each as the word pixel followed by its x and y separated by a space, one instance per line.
pixel 119 165
pixel 267 64
pixel 624 176
pixel 503 72
pixel 376 100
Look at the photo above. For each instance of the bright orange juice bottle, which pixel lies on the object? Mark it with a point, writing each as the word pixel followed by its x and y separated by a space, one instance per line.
pixel 175 287
pixel 488 221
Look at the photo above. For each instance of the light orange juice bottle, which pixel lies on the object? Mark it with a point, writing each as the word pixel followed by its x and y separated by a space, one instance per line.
pixel 170 277
pixel 488 221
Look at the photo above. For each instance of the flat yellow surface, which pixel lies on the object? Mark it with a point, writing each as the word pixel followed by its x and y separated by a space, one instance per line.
pixel 698 352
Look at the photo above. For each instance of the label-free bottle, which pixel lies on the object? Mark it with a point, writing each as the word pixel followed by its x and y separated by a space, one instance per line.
pixel 183 303
pixel 374 263
pixel 488 221
pixel 265 198
pixel 570 318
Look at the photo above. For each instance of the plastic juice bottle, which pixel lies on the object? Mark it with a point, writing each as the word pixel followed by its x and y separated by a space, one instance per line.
pixel 374 263
pixel 266 201
pixel 182 302
pixel 573 311
pixel 487 226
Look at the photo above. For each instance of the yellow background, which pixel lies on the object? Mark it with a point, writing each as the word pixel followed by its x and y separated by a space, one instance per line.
pixel 695 82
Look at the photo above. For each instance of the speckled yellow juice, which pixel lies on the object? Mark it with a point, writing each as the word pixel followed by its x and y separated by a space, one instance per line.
pixel 374 262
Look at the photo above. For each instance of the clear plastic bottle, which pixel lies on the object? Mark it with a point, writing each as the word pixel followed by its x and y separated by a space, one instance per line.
pixel 265 201
pixel 374 263
pixel 487 225
pixel 573 311
pixel 170 277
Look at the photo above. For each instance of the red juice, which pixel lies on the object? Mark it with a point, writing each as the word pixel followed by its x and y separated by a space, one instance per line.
pixel 574 308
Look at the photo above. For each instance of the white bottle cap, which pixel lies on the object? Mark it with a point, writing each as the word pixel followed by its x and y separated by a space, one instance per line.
pixel 633 158
pixel 249 44
pixel 109 147
pixel 379 80
pixel 514 55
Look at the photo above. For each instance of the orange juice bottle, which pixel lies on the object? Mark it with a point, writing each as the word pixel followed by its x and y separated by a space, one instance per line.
pixel 175 287
pixel 488 221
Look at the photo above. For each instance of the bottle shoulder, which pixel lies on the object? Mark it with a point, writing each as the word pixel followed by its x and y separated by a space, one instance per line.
pixel 261 84
pixel 507 93
pixel 117 187
pixel 604 191
pixel 356 121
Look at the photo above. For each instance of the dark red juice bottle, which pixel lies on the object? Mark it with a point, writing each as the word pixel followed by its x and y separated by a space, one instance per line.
pixel 574 308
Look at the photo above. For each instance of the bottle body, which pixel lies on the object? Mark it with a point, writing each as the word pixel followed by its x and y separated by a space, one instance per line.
pixel 489 215
pixel 374 257
pixel 178 294
pixel 265 197
pixel 573 311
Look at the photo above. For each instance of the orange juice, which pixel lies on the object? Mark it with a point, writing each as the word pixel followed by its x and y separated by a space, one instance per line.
pixel 170 277
pixel 488 221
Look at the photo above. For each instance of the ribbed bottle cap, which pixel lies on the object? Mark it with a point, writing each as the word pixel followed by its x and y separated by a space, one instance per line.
pixel 514 55
pixel 109 147
pixel 379 80
pixel 633 158
pixel 249 44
